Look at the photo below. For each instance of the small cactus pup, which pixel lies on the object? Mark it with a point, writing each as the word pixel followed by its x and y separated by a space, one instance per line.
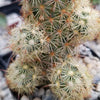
pixel 64 18
pixel 27 41
pixel 22 77
pixel 89 19
pixel 70 80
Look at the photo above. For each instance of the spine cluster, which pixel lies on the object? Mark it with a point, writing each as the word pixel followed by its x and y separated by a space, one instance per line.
pixel 45 44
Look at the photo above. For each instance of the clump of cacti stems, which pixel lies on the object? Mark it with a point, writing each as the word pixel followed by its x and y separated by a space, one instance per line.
pixel 51 31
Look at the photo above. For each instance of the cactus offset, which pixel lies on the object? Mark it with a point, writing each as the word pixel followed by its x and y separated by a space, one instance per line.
pixel 23 77
pixel 70 80
pixel 27 41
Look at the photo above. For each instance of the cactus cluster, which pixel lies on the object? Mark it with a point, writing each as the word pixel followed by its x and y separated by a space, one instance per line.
pixel 45 43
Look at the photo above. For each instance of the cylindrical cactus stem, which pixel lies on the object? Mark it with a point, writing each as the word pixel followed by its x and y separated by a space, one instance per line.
pixel 69 81
pixel 69 14
pixel 64 24
pixel 89 21
pixel 27 41
pixel 23 77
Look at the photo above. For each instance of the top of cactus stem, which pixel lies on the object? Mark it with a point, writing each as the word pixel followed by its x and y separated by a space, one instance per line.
pixel 70 80
pixel 66 24
pixel 91 19
pixel 57 17
pixel 23 77
pixel 27 41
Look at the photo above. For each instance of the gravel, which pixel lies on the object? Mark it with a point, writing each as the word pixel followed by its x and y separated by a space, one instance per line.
pixel 5 93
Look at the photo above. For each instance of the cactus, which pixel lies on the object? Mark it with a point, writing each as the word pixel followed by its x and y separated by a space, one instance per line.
pixel 70 80
pixel 66 23
pixel 51 31
pixel 27 40
pixel 92 20
pixel 23 77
